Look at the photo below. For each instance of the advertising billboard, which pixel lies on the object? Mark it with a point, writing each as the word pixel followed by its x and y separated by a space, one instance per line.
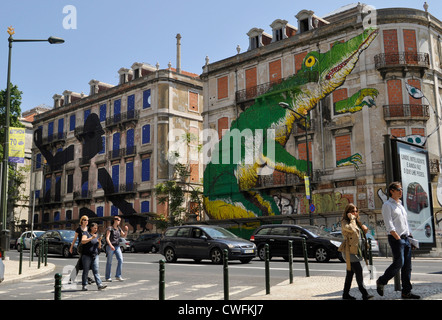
pixel 412 170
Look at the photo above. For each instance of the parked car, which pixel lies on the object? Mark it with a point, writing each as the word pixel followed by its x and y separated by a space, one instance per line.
pixel 374 242
pixel 148 242
pixel 25 238
pixel 123 243
pixel 59 241
pixel 204 242
pixel 320 244
pixel 417 198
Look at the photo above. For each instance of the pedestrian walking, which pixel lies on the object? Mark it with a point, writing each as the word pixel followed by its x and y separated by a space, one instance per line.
pixel 91 249
pixel 113 234
pixel 396 223
pixel 84 220
pixel 354 248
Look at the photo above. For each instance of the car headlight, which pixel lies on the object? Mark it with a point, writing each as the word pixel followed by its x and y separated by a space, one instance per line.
pixel 336 243
pixel 231 246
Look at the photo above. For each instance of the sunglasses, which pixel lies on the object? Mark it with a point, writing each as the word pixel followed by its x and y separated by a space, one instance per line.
pixel 397 189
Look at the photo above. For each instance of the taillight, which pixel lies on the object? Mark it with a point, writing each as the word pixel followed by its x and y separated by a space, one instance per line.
pixel 252 238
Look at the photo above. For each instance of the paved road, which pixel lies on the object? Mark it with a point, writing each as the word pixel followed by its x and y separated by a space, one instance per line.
pixel 188 280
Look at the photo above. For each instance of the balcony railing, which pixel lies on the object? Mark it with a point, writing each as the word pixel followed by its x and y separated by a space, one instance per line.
pixel 256 91
pixel 406 111
pixel 83 194
pixel 383 60
pixel 120 118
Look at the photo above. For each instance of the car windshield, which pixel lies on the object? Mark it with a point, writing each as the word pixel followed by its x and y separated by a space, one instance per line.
pixel 316 231
pixel 67 234
pixel 219 233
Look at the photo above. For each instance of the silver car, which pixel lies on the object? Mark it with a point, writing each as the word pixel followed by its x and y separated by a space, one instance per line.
pixel 25 238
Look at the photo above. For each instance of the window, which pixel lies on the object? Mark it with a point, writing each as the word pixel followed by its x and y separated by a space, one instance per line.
pixel 60 127
pixel 146 99
pixel 130 136
pixel 193 101
pixel 223 88
pixel 342 147
pixel 130 103
pixel 116 177
pixel 100 211
pixel 130 176
pixel 103 112
pixel 145 169
pixel 86 114
pixel 38 161
pixel 103 145
pixel 50 131
pixel 70 183
pixel 146 134
pixel 145 206
pixel 72 122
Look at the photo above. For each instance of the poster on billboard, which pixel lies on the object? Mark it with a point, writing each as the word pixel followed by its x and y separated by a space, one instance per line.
pixel 415 178
pixel 17 145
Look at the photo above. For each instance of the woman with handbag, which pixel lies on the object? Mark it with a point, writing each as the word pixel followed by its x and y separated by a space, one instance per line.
pixel 353 250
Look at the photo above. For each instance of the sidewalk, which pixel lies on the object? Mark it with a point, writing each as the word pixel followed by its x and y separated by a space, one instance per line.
pixel 28 272
pixel 302 288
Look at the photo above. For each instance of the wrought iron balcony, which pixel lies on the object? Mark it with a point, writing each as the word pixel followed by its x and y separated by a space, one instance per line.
pixel 121 118
pixel 403 61
pixel 406 112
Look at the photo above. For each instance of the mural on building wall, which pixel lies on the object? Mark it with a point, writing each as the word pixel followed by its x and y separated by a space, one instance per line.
pixel 353 160
pixel 92 144
pixel 229 179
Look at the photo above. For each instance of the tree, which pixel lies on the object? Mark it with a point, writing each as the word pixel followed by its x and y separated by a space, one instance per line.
pixel 16 178
pixel 178 192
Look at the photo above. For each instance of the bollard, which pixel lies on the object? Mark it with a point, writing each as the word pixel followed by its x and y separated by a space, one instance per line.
pixel 21 258
pixel 46 252
pixel 304 248
pixel 226 273
pixel 32 250
pixel 162 295
pixel 370 259
pixel 39 254
pixel 267 264
pixel 291 261
pixel 57 286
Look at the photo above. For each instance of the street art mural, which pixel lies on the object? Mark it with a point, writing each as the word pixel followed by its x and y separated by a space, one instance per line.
pixel 230 179
pixel 91 145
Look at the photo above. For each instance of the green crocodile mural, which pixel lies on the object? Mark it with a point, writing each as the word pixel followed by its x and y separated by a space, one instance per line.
pixel 256 139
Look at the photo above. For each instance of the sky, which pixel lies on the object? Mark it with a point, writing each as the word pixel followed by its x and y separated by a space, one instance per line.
pixel 101 36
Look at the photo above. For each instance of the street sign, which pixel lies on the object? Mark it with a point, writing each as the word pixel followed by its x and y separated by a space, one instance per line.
pixel 312 208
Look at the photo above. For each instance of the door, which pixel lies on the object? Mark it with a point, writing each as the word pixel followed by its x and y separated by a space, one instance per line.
pixel 295 234
pixel 278 241
pixel 198 244
pixel 181 242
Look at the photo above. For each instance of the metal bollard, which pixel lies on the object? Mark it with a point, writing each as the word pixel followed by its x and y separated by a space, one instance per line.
pixel 21 258
pixel 162 290
pixel 46 252
pixel 39 254
pixel 267 264
pixel 304 248
pixel 57 286
pixel 291 261
pixel 226 273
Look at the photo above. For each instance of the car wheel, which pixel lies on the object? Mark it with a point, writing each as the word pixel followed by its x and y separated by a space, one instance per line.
pixel 132 249
pixel 216 256
pixel 66 253
pixel 321 254
pixel 18 247
pixel 262 253
pixel 169 254
pixel 37 251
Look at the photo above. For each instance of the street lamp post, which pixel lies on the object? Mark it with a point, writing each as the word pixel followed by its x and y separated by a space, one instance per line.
pixel 4 233
pixel 286 106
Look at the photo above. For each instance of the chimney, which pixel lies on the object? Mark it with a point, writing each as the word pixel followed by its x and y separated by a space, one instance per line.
pixel 178 53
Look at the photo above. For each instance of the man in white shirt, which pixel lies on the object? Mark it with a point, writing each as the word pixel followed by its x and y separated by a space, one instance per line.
pixel 396 223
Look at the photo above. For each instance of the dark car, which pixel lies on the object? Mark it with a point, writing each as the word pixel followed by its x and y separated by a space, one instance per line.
pixel 321 245
pixel 59 241
pixel 205 242
pixel 145 243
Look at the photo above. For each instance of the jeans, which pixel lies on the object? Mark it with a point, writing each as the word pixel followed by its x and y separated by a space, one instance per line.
pixel 110 253
pixel 356 269
pixel 401 250
pixel 90 262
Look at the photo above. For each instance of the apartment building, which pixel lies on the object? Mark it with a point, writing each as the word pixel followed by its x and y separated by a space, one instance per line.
pixel 345 146
pixel 102 154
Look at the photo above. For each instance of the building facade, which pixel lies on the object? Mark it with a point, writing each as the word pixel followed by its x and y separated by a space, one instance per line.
pixel 102 154
pixel 344 139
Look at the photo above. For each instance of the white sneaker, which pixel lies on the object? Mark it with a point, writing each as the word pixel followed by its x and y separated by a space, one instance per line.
pixel 109 280
pixel 119 278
